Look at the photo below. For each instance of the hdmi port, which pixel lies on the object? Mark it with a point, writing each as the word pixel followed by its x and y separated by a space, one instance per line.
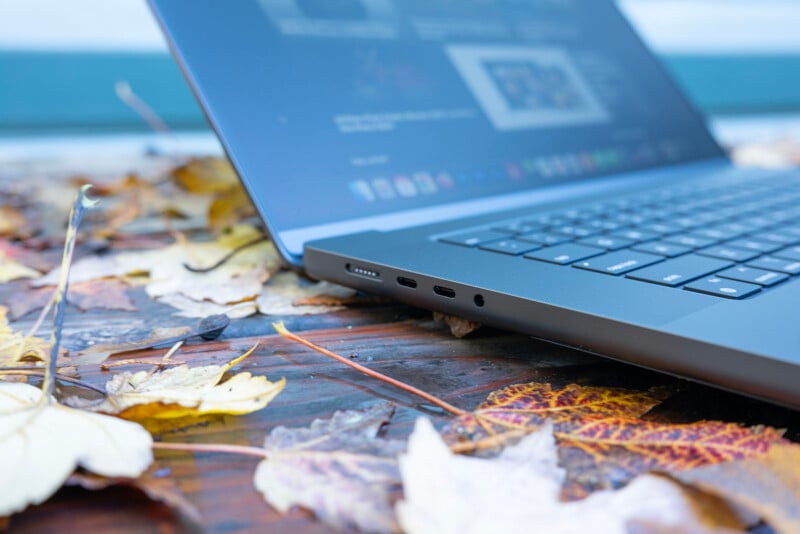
pixel 444 291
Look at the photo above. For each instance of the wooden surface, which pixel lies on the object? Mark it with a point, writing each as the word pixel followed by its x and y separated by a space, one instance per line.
pixel 397 340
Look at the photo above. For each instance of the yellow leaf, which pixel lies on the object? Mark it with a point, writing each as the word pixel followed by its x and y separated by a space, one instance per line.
pixel 14 346
pixel 206 175
pixel 12 270
pixel 182 393
pixel 42 444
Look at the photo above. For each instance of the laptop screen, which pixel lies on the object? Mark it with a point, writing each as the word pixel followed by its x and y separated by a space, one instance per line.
pixel 368 107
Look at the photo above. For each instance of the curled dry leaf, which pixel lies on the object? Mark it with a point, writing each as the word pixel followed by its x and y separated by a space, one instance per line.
pixel 447 493
pixel 284 293
pixel 768 485
pixel 338 468
pixel 42 443
pixel 459 326
pixel 183 395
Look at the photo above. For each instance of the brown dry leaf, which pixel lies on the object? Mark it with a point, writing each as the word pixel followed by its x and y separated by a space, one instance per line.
pixel 609 452
pixel 519 489
pixel 109 294
pixel 11 220
pixel 183 394
pixel 229 207
pixel 12 270
pixel 15 346
pixel 285 290
pixel 768 485
pixel 459 326
pixel 163 489
pixel 42 444
pixel 338 468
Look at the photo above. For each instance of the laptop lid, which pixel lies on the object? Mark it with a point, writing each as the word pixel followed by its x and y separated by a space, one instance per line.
pixel 349 115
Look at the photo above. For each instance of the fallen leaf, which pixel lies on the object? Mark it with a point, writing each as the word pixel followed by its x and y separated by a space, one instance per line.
pixel 163 489
pixel 11 220
pixel 183 394
pixel 519 489
pixel 188 307
pixel 12 270
pixel 768 485
pixel 337 468
pixel 14 346
pixel 459 327
pixel 101 294
pixel 41 444
pixel 284 290
pixel 206 175
pixel 522 408
pixel 229 207
pixel 609 452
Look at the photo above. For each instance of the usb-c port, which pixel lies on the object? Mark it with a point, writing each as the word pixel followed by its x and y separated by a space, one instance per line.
pixel 444 292
pixel 407 282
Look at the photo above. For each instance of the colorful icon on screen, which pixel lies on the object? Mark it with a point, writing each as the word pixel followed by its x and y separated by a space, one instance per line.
pixel 425 183
pixel 405 186
pixel 383 188
pixel 362 191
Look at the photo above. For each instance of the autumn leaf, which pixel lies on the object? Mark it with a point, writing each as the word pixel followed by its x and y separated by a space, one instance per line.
pixel 459 327
pixel 109 294
pixel 12 270
pixel 14 346
pixel 229 207
pixel 206 175
pixel 284 293
pixel 183 395
pixel 768 485
pixel 519 491
pixel 338 468
pixel 41 444
pixel 163 489
pixel 609 452
pixel 522 408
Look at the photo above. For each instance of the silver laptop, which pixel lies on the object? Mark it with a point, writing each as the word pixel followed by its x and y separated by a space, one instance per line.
pixel 526 164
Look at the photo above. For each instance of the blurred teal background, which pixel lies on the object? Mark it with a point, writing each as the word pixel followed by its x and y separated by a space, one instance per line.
pixel 60 61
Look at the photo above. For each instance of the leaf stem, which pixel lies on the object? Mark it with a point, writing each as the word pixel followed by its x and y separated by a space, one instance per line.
pixel 241 450
pixel 281 329
pixel 224 259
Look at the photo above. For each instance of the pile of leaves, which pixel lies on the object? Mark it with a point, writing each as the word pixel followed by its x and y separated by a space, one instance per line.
pixel 570 459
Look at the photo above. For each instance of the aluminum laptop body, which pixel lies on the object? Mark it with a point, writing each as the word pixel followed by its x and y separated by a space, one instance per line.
pixel 469 156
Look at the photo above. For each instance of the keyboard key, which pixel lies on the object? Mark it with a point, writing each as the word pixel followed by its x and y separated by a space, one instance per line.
pixel 680 270
pixel 544 238
pixel 474 238
pixel 564 254
pixel 603 224
pixel 722 287
pixel 725 252
pixel 752 244
pixel 718 233
pixel 776 264
pixel 690 240
pixel 576 231
pixel 618 262
pixel 776 237
pixel 753 276
pixel 661 228
pixel 511 247
pixel 517 228
pixel 606 242
pixel 791 253
pixel 635 235
pixel 669 250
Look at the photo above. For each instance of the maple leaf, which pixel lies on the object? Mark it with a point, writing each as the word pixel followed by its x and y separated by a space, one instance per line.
pixel 42 443
pixel 183 395
pixel 608 452
pixel 521 408
pixel 336 468
pixel 519 489
pixel 284 290
pixel 768 485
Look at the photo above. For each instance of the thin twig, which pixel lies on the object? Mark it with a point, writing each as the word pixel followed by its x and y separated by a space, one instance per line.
pixel 82 203
pixel 222 261
pixel 281 329
pixel 42 373
pixel 42 315
pixel 212 447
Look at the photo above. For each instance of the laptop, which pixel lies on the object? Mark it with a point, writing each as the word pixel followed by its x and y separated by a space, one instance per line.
pixel 526 164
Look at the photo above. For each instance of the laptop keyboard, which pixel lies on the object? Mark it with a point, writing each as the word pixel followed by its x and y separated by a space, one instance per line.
pixel 731 241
